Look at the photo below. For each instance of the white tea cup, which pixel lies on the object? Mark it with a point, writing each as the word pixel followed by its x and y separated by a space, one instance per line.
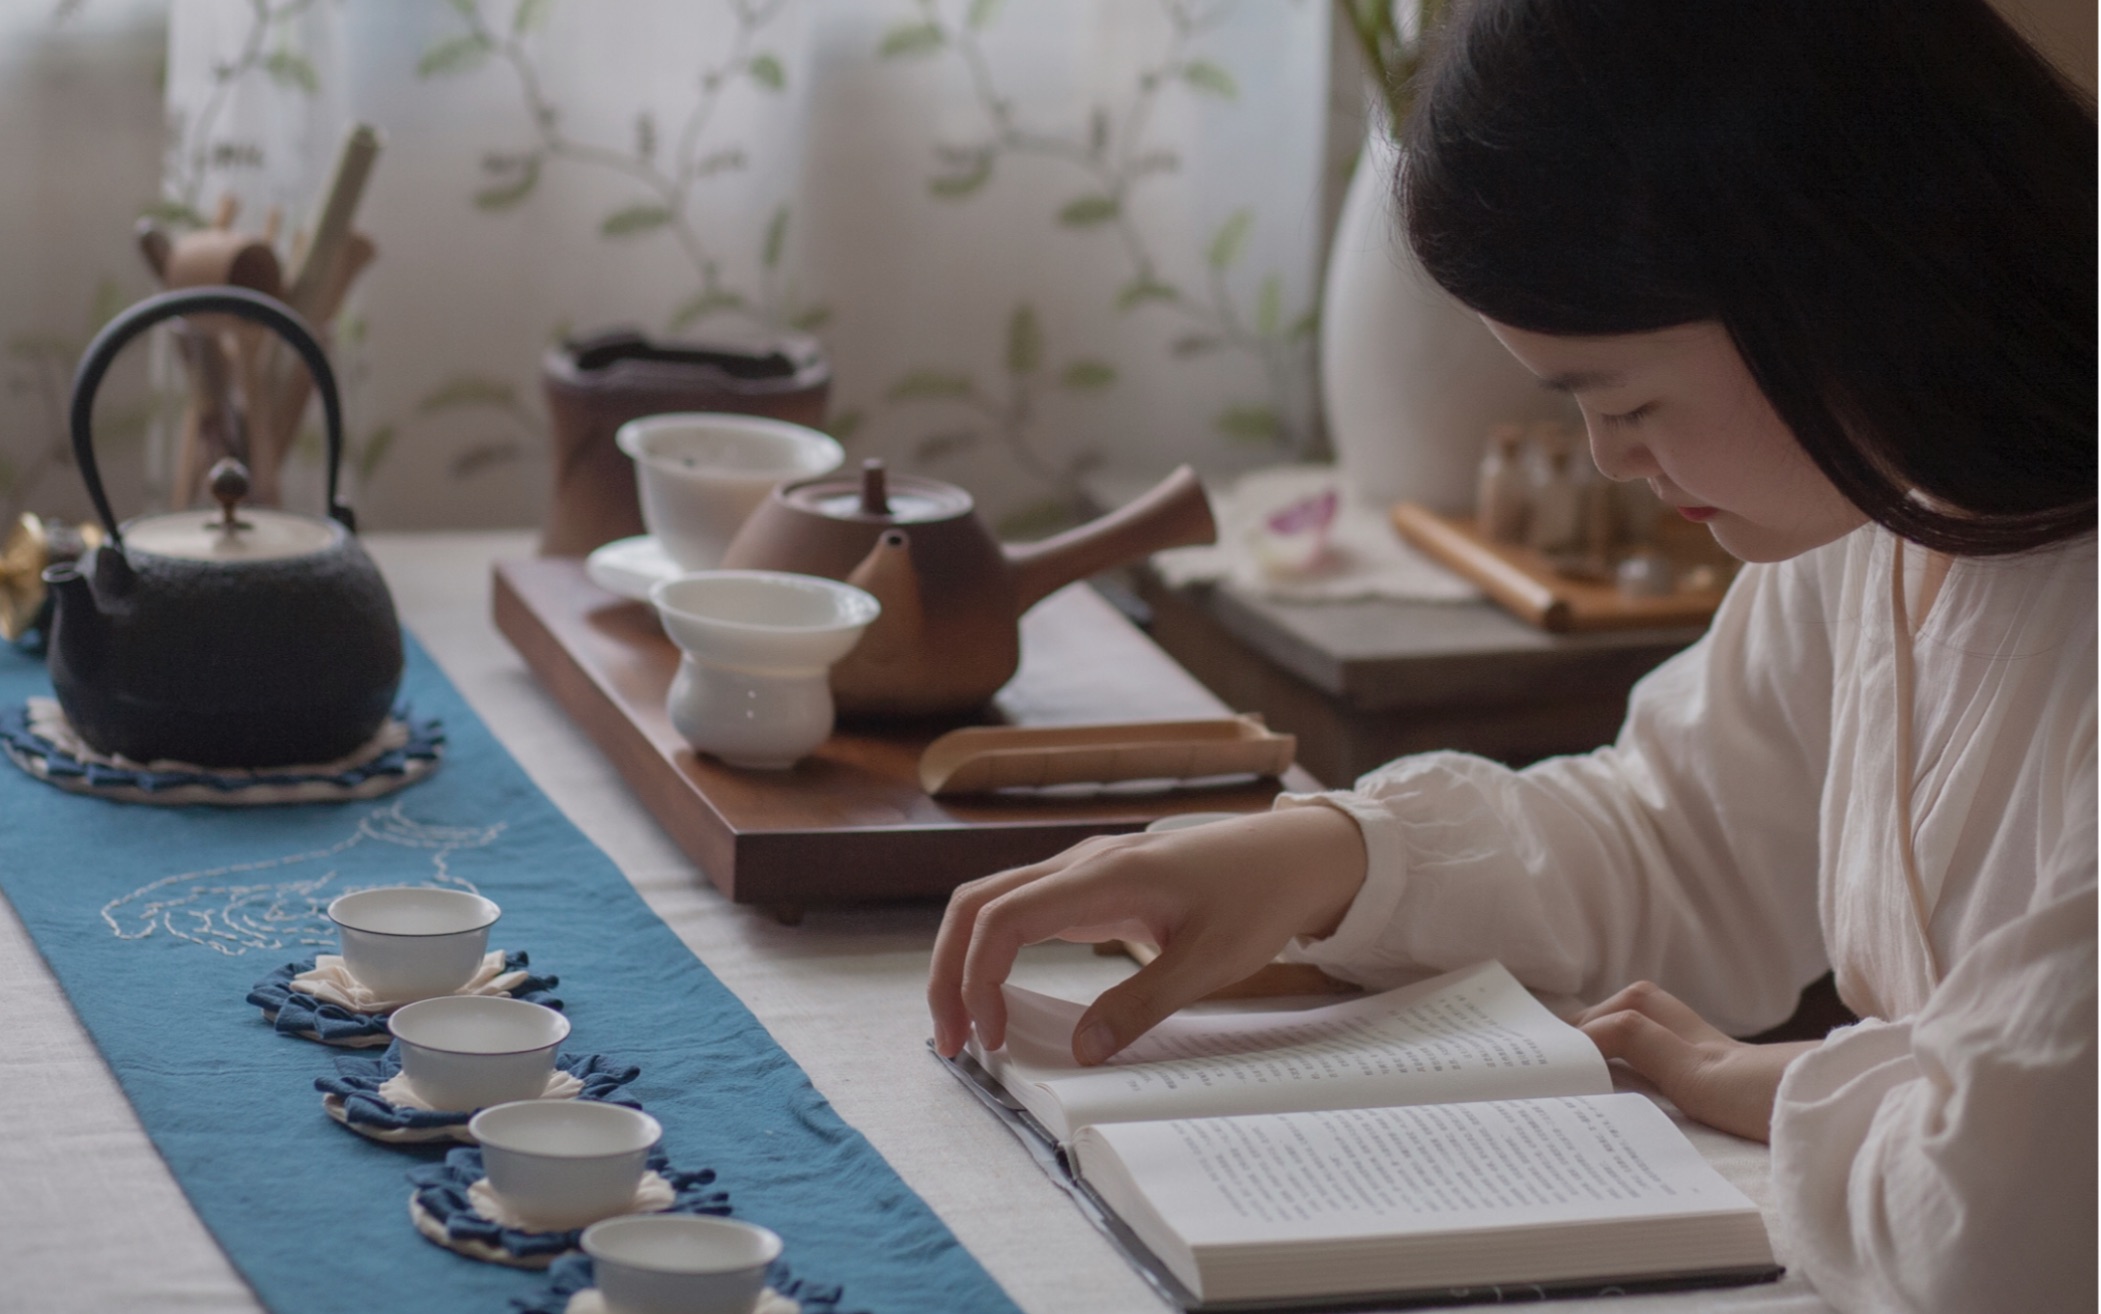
pixel 754 686
pixel 700 475
pixel 679 1263
pixel 565 1163
pixel 406 942
pixel 466 1052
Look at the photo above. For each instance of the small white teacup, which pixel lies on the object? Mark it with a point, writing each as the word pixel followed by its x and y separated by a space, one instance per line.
pixel 565 1163
pixel 412 941
pixel 754 687
pixel 700 475
pixel 466 1052
pixel 679 1263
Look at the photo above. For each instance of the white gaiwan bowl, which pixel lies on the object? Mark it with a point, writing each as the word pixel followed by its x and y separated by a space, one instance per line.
pixel 700 475
pixel 467 1052
pixel 565 1163
pixel 411 941
pixel 754 686
pixel 679 1263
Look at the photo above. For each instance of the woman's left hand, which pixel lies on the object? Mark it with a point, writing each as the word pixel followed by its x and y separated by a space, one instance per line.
pixel 1712 1078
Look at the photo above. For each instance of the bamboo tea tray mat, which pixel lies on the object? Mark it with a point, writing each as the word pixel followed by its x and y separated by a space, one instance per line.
pixel 851 822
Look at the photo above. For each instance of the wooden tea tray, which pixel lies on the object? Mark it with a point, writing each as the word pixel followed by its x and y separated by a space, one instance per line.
pixel 1526 583
pixel 850 822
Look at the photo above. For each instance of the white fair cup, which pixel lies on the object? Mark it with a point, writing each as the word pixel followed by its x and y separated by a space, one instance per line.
pixel 700 475
pixel 754 687
pixel 466 1052
pixel 679 1263
pixel 565 1163
pixel 413 942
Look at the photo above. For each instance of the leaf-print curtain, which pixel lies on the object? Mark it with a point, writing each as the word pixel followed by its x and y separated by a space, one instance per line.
pixel 1050 245
pixel 80 108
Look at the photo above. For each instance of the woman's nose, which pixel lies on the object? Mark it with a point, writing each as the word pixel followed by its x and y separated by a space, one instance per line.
pixel 1619 457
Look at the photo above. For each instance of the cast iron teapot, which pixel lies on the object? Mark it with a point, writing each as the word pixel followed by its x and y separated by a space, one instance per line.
pixel 249 638
pixel 952 595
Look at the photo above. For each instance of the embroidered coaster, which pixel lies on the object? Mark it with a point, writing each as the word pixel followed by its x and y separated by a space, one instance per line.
pixel 319 1000
pixel 452 1206
pixel 39 740
pixel 373 1098
pixel 571 1289
pixel 588 1301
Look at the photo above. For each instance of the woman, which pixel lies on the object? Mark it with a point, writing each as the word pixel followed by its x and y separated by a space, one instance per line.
pixel 1823 274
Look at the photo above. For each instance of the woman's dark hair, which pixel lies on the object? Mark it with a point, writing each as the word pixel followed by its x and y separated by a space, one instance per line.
pixel 1889 205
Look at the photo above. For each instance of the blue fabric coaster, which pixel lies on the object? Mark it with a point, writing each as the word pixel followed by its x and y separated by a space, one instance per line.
pixel 573 1273
pixel 357 1082
pixel 441 1191
pixel 54 762
pixel 291 1013
pixel 157 921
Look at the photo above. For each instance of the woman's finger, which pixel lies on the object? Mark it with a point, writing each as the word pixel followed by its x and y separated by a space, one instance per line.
pixel 944 987
pixel 1087 893
pixel 1183 973
pixel 1659 1005
pixel 1652 1049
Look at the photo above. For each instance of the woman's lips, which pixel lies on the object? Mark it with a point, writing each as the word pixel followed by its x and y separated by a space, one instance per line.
pixel 1698 514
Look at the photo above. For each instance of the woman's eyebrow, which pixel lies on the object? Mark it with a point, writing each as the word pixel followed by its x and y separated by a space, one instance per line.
pixel 1579 380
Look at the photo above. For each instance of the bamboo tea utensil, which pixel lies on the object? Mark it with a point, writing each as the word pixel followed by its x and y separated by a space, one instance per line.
pixel 313 272
pixel 1528 584
pixel 283 393
pixel 221 356
pixel 212 423
pixel 982 759
pixel 318 279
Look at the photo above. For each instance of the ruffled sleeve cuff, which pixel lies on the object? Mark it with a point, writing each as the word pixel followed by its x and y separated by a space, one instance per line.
pixel 1351 952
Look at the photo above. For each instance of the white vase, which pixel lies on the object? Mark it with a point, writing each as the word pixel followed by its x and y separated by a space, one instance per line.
pixel 1413 382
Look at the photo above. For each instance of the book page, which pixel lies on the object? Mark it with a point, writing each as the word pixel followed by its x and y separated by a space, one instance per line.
pixel 1473 1034
pixel 1393 1171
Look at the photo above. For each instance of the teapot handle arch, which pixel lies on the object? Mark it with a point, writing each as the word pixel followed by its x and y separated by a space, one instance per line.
pixel 239 302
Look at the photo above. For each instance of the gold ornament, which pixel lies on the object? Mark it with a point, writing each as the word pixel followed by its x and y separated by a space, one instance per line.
pixel 32 545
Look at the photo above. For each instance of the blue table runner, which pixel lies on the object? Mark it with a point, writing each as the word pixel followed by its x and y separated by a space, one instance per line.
pixel 157 921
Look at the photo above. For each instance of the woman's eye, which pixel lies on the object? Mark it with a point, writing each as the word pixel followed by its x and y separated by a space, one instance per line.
pixel 1625 418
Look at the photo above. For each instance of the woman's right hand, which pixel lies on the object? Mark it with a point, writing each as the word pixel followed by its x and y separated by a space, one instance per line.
pixel 1219 900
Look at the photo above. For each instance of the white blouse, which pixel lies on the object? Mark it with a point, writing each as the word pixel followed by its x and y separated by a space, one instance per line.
pixel 1744 835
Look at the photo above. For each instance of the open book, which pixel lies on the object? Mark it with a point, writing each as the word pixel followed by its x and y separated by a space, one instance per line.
pixel 1393 1148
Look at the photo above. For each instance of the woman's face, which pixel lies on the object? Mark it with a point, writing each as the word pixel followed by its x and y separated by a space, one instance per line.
pixel 1678 408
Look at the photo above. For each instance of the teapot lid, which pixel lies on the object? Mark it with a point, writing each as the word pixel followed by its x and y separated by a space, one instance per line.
pixel 236 534
pixel 881 496
pixel 259 535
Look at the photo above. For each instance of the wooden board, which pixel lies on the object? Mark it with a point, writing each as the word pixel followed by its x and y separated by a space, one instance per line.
pixel 850 823
pixel 1524 581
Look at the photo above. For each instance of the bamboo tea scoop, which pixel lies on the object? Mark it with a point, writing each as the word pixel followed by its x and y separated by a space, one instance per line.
pixel 985 758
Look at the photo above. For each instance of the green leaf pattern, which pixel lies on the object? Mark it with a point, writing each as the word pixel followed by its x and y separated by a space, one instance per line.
pixel 1112 155
pixel 1110 152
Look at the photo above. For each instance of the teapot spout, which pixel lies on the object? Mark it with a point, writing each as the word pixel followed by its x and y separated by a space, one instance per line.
pixel 1175 513
pixel 79 635
pixel 894 646
pixel 71 593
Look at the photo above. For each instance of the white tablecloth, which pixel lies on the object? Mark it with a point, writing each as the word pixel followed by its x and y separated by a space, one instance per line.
pixel 91 1220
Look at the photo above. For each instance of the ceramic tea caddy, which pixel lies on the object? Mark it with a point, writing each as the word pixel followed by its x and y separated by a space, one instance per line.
pixel 246 638
pixel 595 384
pixel 952 596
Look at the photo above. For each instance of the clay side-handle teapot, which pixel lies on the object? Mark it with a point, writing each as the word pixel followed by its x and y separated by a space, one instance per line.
pixel 952 596
pixel 245 638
